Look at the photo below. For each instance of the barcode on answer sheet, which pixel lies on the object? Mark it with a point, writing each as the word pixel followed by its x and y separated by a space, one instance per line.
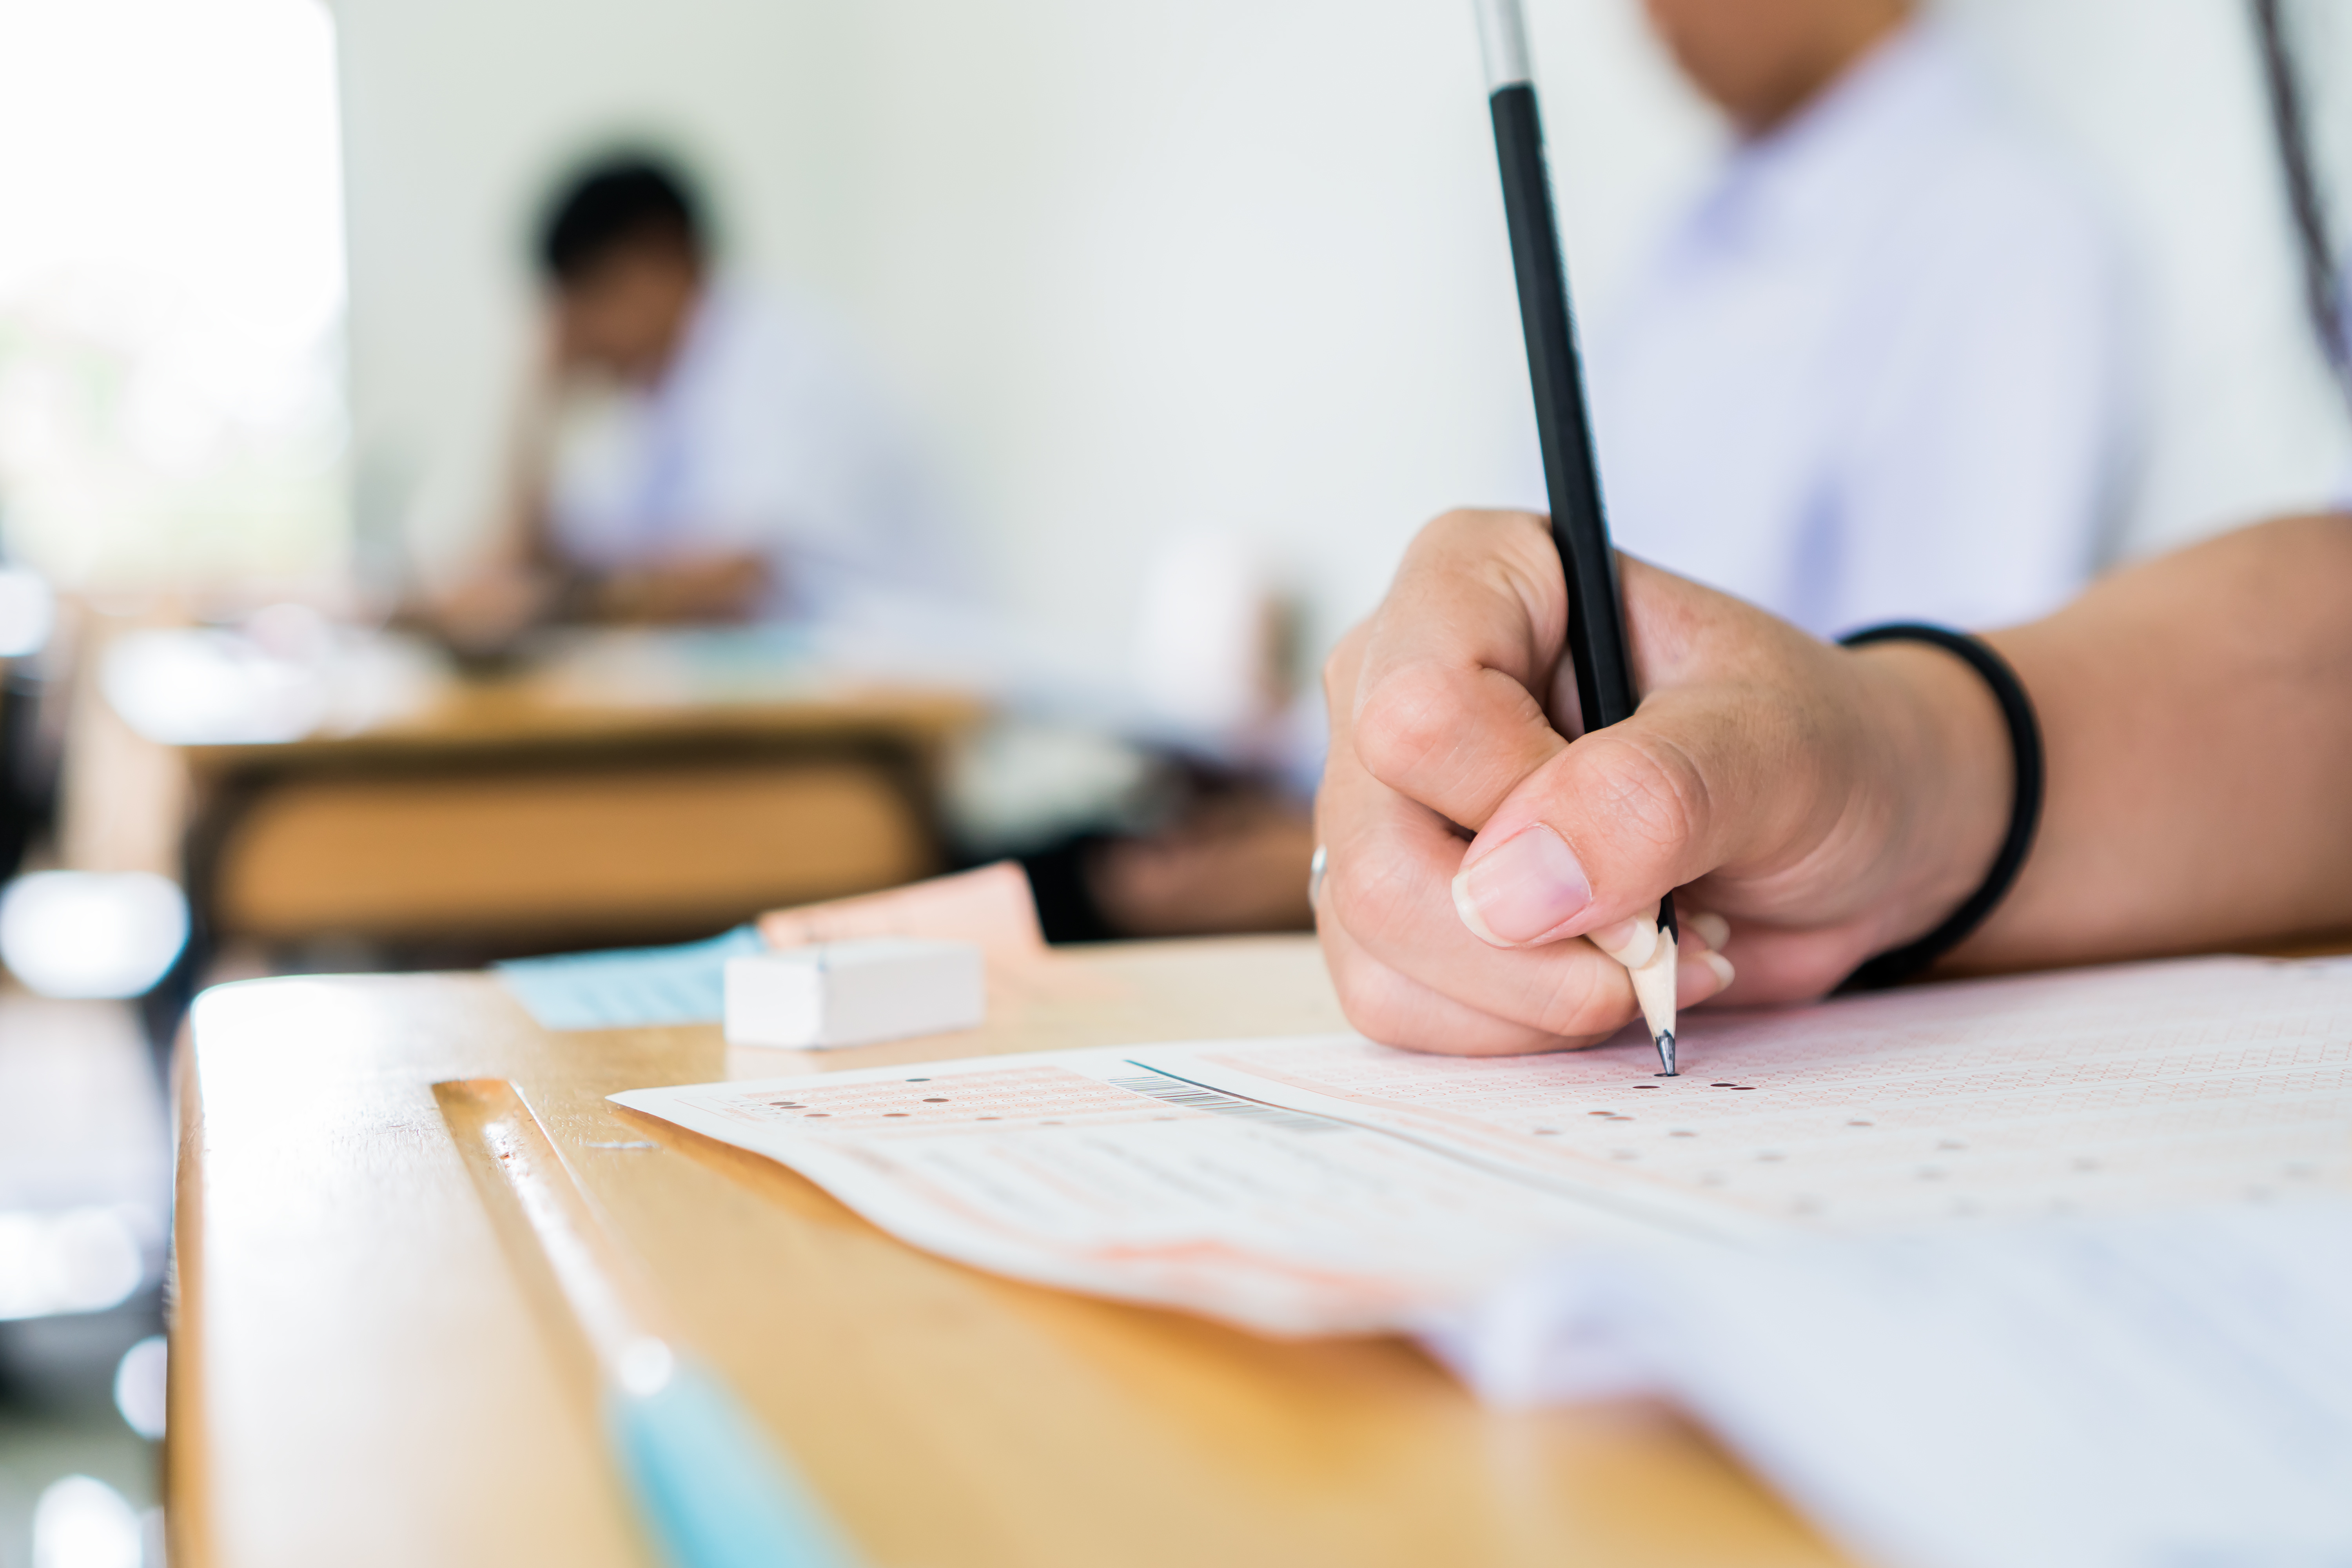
pixel 1193 1096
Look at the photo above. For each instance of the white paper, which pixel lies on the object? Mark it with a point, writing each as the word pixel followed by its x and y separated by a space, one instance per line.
pixel 1094 1171
pixel 2160 1390
pixel 2116 1090
pixel 2043 1270
pixel 1429 1179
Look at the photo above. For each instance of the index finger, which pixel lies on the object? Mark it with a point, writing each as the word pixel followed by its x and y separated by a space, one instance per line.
pixel 1462 663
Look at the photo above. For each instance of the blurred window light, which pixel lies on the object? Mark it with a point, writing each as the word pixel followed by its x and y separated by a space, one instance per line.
pixel 141 1380
pixel 170 290
pixel 82 1522
pixel 91 934
pixel 27 611
pixel 80 1261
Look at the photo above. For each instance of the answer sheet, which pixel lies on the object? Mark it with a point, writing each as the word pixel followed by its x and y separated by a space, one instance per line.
pixel 2167 1390
pixel 1329 1185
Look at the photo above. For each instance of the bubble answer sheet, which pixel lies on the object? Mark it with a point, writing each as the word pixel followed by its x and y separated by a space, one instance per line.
pixel 1328 1184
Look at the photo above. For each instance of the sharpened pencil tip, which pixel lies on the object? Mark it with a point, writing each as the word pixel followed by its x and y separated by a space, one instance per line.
pixel 1667 1052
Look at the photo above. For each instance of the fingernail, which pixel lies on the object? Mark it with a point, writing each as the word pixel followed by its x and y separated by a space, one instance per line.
pixel 1517 893
pixel 1700 976
pixel 1713 929
pixel 1629 942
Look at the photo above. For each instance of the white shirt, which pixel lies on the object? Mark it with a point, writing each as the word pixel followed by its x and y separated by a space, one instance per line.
pixel 1877 371
pixel 764 435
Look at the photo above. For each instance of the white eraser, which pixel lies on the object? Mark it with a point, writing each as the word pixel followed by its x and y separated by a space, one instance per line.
pixel 854 992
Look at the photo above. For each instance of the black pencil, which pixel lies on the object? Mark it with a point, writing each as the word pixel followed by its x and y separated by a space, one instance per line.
pixel 1596 615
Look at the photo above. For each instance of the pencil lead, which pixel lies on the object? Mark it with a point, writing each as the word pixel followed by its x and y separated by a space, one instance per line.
pixel 1667 1052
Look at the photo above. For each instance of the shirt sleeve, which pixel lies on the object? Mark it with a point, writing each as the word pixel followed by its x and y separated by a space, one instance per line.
pixel 795 454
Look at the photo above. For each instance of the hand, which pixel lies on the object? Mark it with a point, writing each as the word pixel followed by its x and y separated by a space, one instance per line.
pixel 1813 806
pixel 698 589
pixel 1234 859
pixel 482 617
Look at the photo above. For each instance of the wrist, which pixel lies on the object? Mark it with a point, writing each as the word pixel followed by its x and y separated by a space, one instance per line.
pixel 1947 779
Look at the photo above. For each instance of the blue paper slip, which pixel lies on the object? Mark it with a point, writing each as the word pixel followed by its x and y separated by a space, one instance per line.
pixel 630 987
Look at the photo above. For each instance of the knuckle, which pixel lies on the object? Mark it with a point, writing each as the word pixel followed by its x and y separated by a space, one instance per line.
pixel 1372 1013
pixel 1504 553
pixel 1409 716
pixel 1645 789
pixel 1447 526
pixel 1340 666
pixel 1366 903
pixel 1366 993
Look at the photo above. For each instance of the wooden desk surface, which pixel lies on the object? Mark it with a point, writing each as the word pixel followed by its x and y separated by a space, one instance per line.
pixel 527 713
pixel 625 791
pixel 368 1367
pixel 128 797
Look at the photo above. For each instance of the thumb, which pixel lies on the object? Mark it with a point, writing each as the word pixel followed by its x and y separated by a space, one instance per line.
pixel 1738 773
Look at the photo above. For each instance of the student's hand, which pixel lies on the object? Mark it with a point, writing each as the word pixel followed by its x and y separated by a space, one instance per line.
pixel 686 591
pixel 482 617
pixel 1814 805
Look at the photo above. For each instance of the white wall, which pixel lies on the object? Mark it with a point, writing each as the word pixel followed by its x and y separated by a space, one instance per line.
pixel 1174 264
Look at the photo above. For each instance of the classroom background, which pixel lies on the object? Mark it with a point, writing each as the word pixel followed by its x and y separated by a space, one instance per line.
pixel 1165 268
pixel 1158 283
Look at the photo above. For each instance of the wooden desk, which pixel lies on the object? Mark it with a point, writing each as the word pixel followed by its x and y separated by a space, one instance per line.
pixel 564 806
pixel 367 1368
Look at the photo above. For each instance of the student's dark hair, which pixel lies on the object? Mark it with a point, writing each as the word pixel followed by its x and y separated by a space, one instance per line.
pixel 617 201
pixel 2323 287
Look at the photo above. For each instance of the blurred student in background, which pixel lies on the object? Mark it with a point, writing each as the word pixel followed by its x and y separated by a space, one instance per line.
pixel 695 451
pixel 1877 371
pixel 692 449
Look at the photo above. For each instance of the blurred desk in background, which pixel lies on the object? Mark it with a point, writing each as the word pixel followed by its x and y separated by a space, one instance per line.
pixel 368 1367
pixel 627 785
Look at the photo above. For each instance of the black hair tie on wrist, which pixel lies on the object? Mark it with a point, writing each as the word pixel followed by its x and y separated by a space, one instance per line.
pixel 2024 811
